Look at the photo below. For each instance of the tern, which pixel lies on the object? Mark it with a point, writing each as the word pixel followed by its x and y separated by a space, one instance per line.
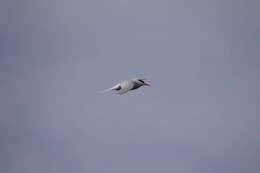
pixel 128 85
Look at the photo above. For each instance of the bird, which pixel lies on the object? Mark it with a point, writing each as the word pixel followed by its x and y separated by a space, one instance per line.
pixel 128 85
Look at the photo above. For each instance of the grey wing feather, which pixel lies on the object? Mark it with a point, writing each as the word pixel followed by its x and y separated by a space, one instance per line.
pixel 126 86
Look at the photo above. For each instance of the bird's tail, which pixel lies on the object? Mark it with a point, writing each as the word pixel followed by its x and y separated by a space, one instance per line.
pixel 106 90
pixel 111 89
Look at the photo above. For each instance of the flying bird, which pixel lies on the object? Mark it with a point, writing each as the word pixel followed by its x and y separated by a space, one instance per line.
pixel 128 85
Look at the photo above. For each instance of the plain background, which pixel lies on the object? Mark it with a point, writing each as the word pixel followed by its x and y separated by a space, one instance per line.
pixel 201 114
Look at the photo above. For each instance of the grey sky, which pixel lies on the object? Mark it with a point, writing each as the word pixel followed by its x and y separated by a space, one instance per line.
pixel 201 114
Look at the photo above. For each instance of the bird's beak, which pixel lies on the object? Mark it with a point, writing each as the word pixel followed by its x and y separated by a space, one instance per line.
pixel 147 84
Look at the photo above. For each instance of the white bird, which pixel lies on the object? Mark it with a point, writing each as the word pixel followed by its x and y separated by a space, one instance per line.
pixel 127 85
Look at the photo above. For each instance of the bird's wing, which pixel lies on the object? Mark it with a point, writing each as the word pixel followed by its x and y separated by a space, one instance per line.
pixel 126 86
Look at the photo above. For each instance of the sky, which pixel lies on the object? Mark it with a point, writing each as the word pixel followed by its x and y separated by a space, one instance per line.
pixel 201 114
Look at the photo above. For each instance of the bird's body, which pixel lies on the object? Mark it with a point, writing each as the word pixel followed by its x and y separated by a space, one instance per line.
pixel 128 85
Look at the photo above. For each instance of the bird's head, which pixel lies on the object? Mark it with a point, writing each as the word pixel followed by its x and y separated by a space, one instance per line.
pixel 142 82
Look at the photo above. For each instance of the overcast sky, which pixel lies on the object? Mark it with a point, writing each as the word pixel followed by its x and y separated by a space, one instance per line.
pixel 201 114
